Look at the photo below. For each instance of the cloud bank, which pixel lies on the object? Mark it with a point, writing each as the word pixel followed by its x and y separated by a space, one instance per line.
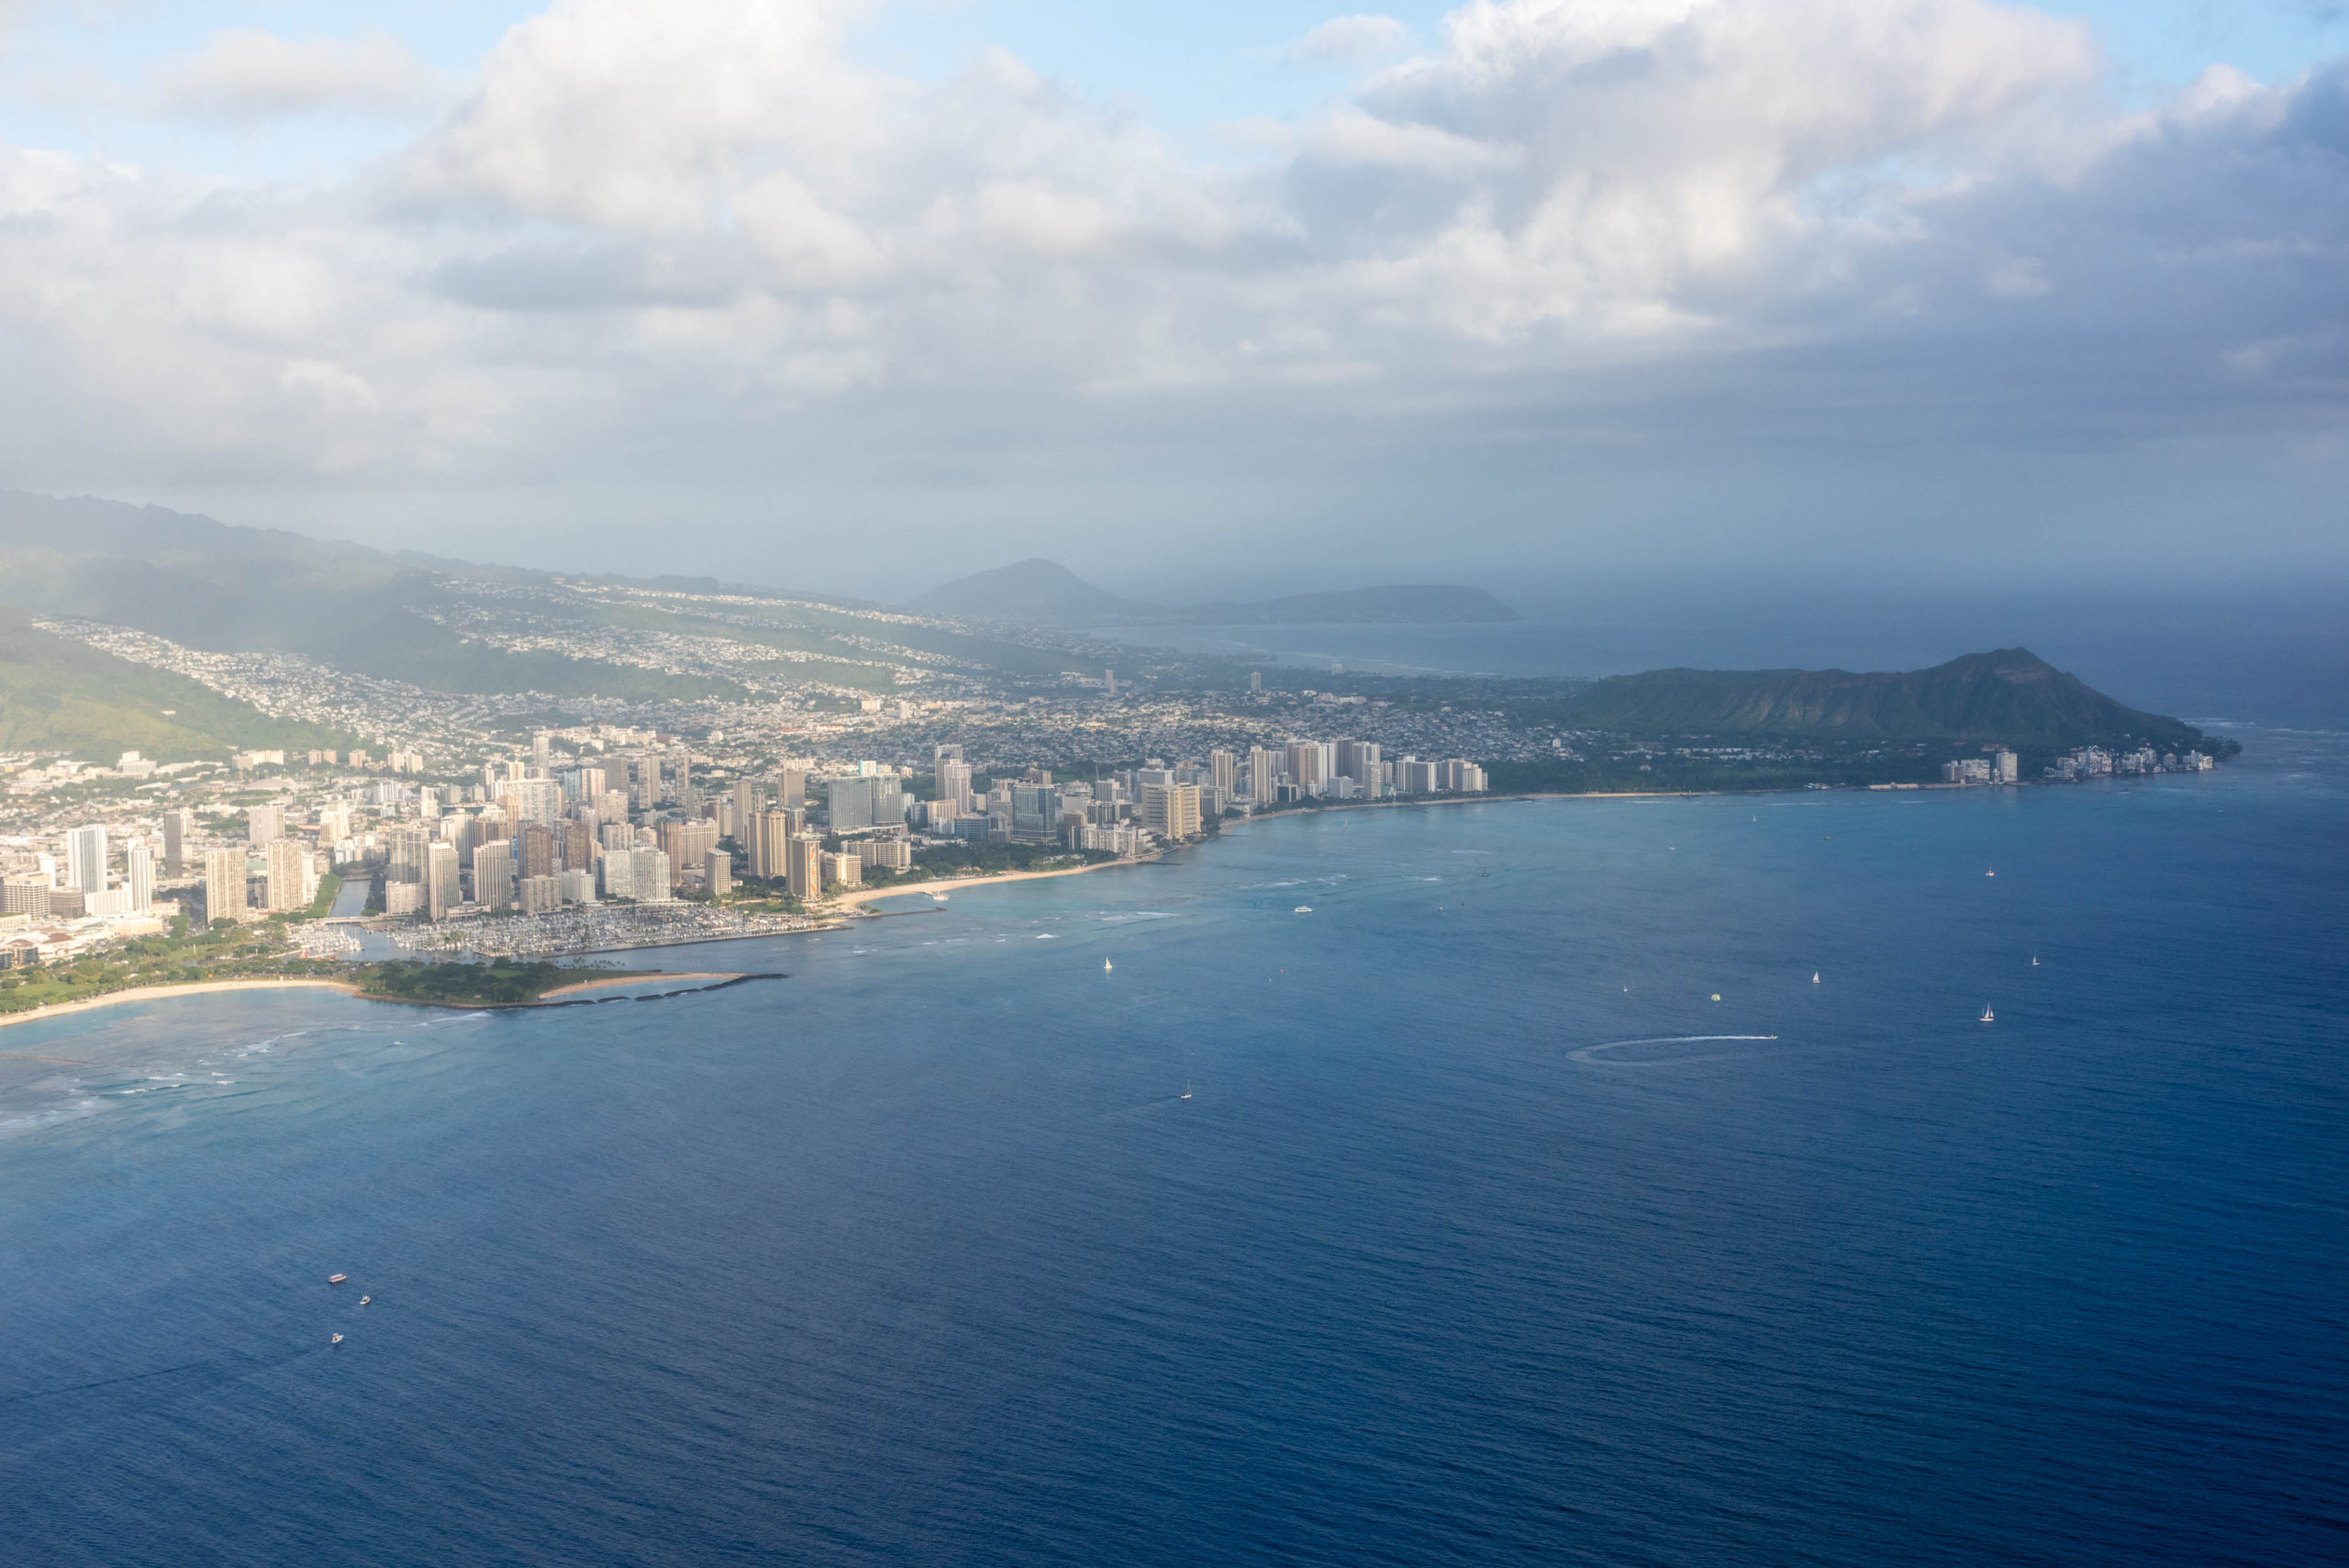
pixel 700 245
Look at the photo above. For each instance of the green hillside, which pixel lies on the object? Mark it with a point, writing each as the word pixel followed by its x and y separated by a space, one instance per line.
pixel 2010 695
pixel 56 694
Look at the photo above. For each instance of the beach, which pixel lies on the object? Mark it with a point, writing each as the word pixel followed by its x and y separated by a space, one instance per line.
pixel 163 993
pixel 856 897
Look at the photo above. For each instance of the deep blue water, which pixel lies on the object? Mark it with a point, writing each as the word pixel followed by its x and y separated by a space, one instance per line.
pixel 917 1256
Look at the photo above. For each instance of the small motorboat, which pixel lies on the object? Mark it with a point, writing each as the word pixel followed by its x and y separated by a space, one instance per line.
pixel 335 1340
pixel 336 1279
pixel 1305 908
pixel 1992 871
pixel 365 1299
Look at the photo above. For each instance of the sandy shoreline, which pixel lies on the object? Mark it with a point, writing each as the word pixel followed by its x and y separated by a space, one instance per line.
pixel 204 988
pixel 162 993
pixel 860 896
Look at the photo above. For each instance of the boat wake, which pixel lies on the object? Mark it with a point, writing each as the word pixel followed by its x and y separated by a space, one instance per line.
pixel 1595 1054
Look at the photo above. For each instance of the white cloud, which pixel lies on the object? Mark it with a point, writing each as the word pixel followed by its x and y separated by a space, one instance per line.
pixel 675 231
pixel 248 74
pixel 1351 39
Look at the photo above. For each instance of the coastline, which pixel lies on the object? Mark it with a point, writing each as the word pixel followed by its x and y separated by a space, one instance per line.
pixel 206 987
pixel 163 993
pixel 844 908
pixel 572 990
pixel 857 899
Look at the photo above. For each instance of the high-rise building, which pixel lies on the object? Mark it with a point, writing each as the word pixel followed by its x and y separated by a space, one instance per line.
pixel 686 844
pixel 1109 683
pixel 443 889
pixel 1032 815
pixel 843 870
pixel 749 799
pixel 139 864
pixel 1358 761
pixel 534 849
pixel 578 885
pixel 494 876
pixel 86 860
pixel 532 800
pixel 804 866
pixel 1255 681
pixel 767 843
pixel 578 846
pixel 178 828
pixel 224 886
pixel 890 855
pixel 1223 772
pixel 25 893
pixel 2007 767
pixel 541 748
pixel 1266 768
pixel 404 849
pixel 791 784
pixel 1311 765
pixel 864 801
pixel 940 755
pixel 1171 810
pixel 539 895
pixel 288 867
pixel 717 872
pixel 264 824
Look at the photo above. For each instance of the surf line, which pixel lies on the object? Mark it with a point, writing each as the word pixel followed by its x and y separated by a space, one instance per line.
pixel 1590 1053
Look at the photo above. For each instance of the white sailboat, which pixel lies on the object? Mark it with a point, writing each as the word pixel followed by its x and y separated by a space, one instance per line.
pixel 1106 966
pixel 1987 1016
pixel 1814 977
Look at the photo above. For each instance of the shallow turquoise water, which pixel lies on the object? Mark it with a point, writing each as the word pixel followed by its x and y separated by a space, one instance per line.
pixel 919 1256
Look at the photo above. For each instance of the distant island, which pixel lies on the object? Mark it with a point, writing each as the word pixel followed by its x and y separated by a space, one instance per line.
pixel 1044 593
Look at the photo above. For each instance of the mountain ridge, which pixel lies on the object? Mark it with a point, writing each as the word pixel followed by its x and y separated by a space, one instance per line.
pixel 2008 694
pixel 1041 592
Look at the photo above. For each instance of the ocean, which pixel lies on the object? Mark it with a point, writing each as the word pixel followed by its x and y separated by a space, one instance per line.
pixel 1531 1201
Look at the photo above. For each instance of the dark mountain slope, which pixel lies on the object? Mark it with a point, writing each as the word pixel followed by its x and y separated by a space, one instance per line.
pixel 2010 695
pixel 1035 592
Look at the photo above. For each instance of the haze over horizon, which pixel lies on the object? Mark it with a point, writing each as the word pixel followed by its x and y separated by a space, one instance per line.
pixel 864 298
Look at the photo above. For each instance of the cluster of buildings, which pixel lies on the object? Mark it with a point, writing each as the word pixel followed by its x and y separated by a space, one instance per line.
pixel 2087 763
pixel 2001 766
pixel 2092 762
pixel 551 832
pixel 597 816
pixel 80 897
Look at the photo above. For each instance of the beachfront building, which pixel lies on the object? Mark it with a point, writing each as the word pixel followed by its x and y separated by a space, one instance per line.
pixel 224 885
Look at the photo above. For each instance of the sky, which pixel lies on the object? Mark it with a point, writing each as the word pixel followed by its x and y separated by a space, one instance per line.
pixel 1207 299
